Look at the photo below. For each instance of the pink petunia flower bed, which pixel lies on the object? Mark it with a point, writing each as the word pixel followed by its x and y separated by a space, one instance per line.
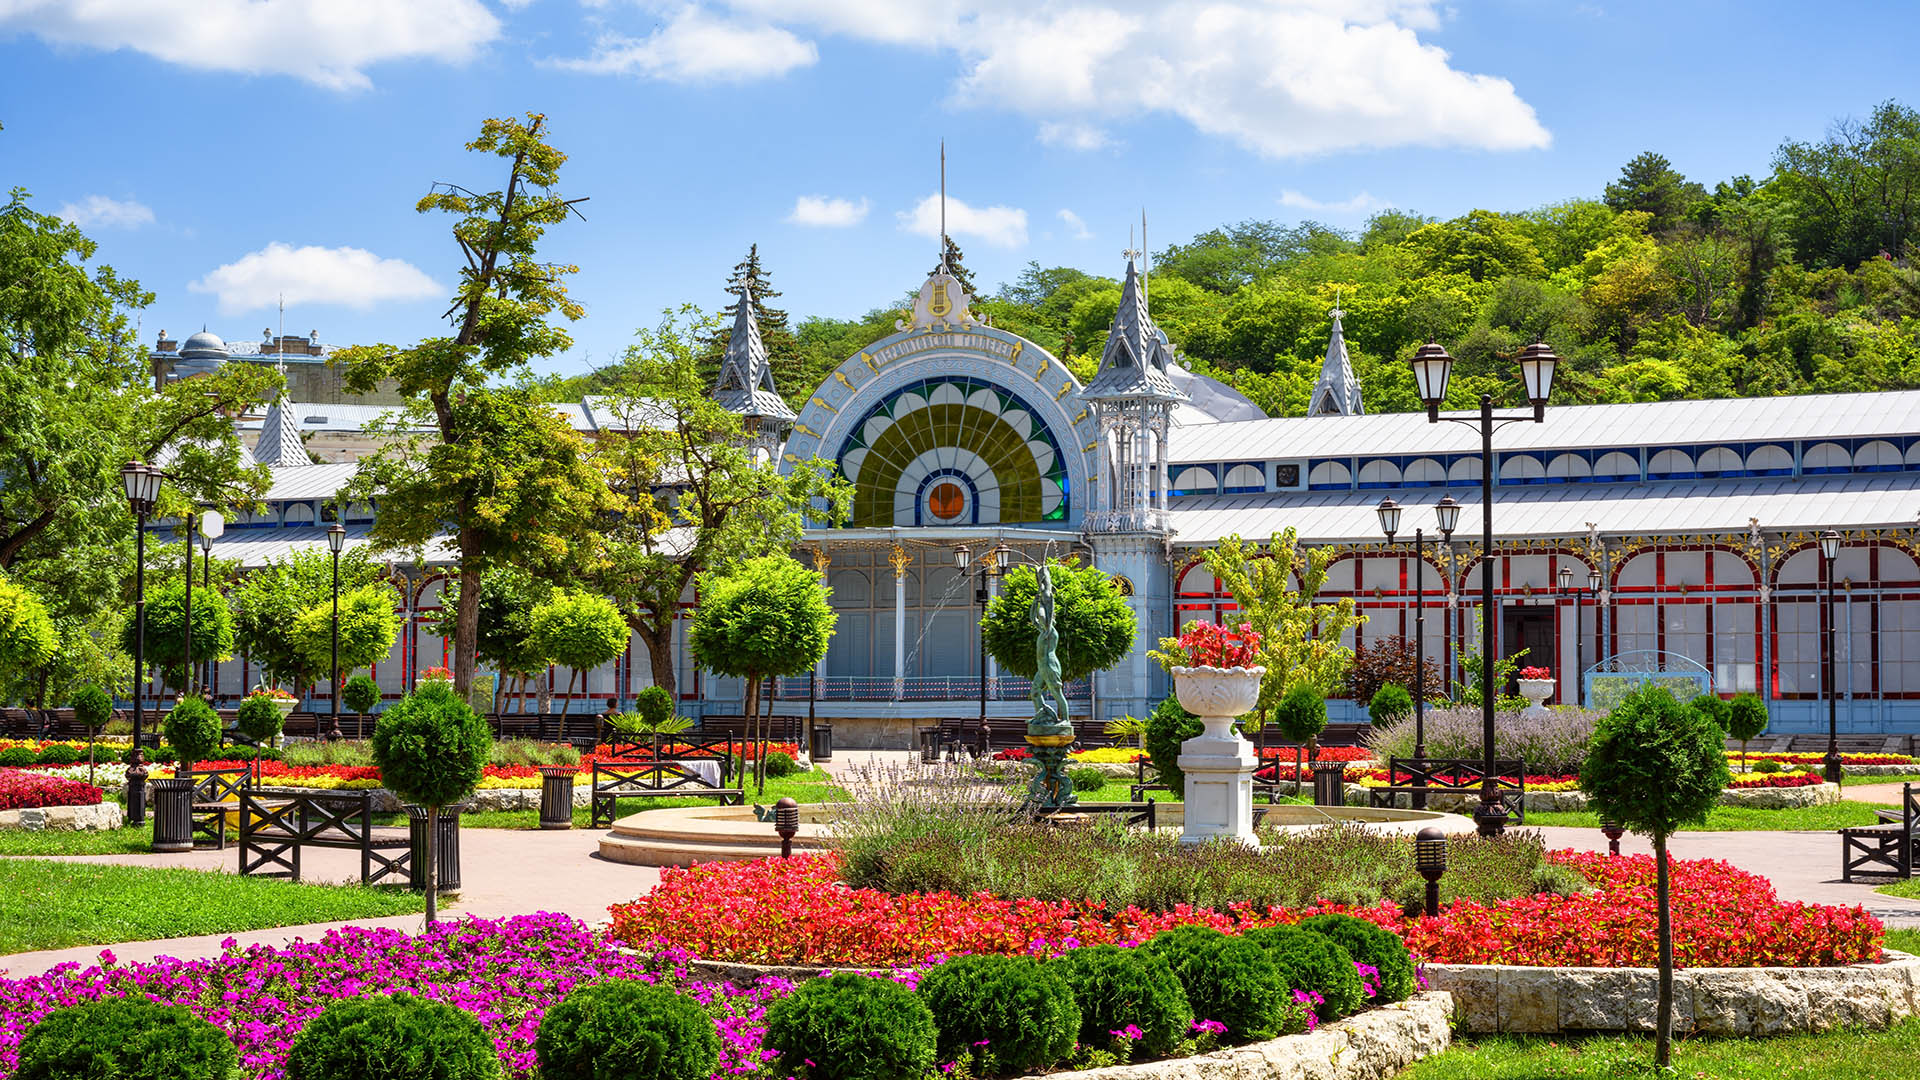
pixel 20 790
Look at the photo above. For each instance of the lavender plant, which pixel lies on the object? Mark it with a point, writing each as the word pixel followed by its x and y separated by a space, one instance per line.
pixel 1554 743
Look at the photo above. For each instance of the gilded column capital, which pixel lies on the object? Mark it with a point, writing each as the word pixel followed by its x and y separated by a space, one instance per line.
pixel 899 558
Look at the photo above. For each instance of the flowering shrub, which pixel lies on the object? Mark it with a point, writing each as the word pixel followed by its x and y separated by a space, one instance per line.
pixel 1205 644
pixel 21 790
pixel 796 911
pixel 271 693
pixel 1551 742
pixel 1536 673
pixel 506 973
pixel 434 674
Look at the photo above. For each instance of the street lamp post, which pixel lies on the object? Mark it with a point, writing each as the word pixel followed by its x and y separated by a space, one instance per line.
pixel 188 619
pixel 994 565
pixel 336 540
pixel 1431 370
pixel 1448 513
pixel 1829 551
pixel 142 484
pixel 1579 631
pixel 212 527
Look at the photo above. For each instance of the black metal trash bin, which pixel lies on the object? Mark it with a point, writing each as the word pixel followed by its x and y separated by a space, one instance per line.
pixel 930 745
pixel 556 796
pixel 173 814
pixel 1329 783
pixel 448 842
pixel 822 748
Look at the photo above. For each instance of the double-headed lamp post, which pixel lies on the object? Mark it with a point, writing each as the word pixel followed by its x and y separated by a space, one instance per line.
pixel 336 541
pixel 1447 512
pixel 993 566
pixel 142 484
pixel 1579 631
pixel 1829 551
pixel 1432 367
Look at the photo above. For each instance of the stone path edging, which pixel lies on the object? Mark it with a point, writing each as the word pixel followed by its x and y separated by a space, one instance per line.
pixel 103 815
pixel 1542 802
pixel 1706 1001
pixel 1373 1045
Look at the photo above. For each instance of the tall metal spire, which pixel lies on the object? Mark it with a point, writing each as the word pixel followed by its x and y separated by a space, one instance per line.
pixel 943 206
pixel 1337 391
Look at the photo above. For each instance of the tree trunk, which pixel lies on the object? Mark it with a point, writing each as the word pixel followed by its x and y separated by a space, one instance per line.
pixel 752 733
pixel 433 860
pixel 1663 1030
pixel 659 653
pixel 466 633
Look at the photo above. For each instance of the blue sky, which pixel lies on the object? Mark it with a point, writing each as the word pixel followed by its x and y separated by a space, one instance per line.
pixel 227 151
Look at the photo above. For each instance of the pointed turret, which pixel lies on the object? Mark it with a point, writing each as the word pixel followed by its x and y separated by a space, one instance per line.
pixel 279 446
pixel 1337 393
pixel 1133 366
pixel 745 385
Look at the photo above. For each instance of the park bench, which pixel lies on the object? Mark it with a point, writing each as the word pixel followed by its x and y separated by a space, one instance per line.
pixel 216 793
pixel 1886 848
pixel 685 744
pixel 778 728
pixel 1453 776
pixel 277 825
pixel 616 780
pixel 1850 744
pixel 1138 814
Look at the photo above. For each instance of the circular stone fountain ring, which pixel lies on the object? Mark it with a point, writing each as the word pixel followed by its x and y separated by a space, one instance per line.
pixel 685 835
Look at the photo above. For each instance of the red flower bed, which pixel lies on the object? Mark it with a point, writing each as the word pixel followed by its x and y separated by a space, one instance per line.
pixel 1322 753
pixel 794 911
pixel 25 790
pixel 1722 917
pixel 1772 780
pixel 1820 759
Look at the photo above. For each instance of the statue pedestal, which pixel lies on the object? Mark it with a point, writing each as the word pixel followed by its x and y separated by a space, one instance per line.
pixel 1219 766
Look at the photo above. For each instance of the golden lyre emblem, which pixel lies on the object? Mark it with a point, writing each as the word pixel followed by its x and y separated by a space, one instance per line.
pixel 939 306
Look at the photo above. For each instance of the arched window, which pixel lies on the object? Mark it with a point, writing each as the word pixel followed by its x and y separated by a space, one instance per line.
pixel 1877 456
pixel 1463 471
pixel 1615 465
pixel 1423 472
pixel 1826 457
pixel 1769 461
pixel 1568 468
pixel 1671 465
pixel 1522 469
pixel 1246 478
pixel 1379 473
pixel 1194 480
pixel 1329 475
pixel 1721 461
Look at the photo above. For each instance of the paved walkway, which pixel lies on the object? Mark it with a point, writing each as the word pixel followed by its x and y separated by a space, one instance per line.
pixel 503 872
pixel 1889 794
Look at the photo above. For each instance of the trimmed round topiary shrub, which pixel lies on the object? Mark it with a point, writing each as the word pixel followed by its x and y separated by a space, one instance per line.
pixel 780 763
pixel 126 1039
pixel 1115 987
pixel 92 708
pixel 192 728
pixel 360 694
pixel 392 1038
pixel 1315 962
pixel 1228 979
pixel 18 757
pixel 1715 708
pixel 1012 1010
pixel 1087 779
pixel 851 1027
pixel 258 718
pixel 1369 944
pixel 58 754
pixel 654 705
pixel 630 1030
pixel 1766 765
pixel 1390 705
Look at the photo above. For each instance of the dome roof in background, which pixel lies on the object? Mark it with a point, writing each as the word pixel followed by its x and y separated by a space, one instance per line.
pixel 204 345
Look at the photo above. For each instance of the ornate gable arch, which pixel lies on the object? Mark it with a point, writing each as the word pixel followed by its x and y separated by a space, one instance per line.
pixel 946 424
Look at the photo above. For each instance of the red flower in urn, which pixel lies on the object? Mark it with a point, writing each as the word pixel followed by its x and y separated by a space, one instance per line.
pixel 1218 646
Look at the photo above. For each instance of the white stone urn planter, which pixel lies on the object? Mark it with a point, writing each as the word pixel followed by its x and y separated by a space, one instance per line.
pixel 1536 691
pixel 1218 762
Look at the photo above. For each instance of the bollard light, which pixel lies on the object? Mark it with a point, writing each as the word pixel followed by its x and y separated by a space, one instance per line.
pixel 1430 858
pixel 1613 832
pixel 786 822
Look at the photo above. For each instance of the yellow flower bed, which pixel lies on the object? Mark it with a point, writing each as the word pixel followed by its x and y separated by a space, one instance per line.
pixel 1108 755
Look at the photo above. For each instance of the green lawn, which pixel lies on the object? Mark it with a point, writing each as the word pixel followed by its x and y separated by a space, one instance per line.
pixel 1905 890
pixel 1743 819
pixel 53 905
pixel 1885 1055
pixel 130 839
pixel 1857 781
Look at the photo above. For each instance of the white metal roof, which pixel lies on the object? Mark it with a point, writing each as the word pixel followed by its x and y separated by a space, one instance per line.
pixel 1813 416
pixel 1880 500
pixel 309 481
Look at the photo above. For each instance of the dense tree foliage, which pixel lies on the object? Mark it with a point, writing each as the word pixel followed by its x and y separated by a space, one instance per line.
pixel 1656 288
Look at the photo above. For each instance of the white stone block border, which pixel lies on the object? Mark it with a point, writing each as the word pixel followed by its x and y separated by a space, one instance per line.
pixel 1706 1001
pixel 1373 1045
pixel 1540 802
pixel 103 815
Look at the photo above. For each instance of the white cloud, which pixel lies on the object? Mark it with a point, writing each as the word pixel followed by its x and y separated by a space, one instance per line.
pixel 1001 226
pixel 827 212
pixel 697 47
pixel 348 276
pixel 328 42
pixel 100 212
pixel 1074 136
pixel 1358 204
pixel 1075 226
pixel 1285 78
